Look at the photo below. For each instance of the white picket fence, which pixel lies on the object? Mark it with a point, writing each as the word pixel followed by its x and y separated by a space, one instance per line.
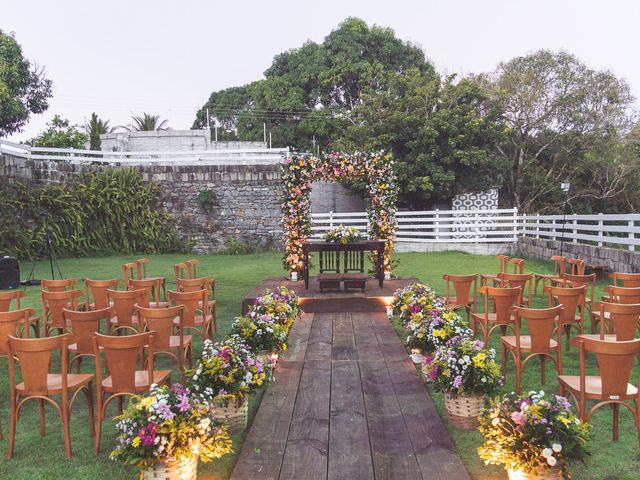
pixel 240 156
pixel 496 226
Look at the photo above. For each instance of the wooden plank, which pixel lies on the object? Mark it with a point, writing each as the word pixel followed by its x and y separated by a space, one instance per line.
pixel 393 456
pixel 319 346
pixel 307 447
pixel 343 345
pixel 366 340
pixel 349 448
pixel 263 450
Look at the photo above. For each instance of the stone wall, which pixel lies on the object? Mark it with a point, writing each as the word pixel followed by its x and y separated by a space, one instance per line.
pixel 247 197
pixel 617 260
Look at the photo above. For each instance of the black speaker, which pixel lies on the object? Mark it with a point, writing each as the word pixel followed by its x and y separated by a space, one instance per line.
pixel 9 273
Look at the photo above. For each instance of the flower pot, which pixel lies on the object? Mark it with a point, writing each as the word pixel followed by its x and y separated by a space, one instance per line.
pixel 463 410
pixel 539 473
pixel 387 275
pixel 294 276
pixel 390 312
pixel 417 357
pixel 182 470
pixel 235 415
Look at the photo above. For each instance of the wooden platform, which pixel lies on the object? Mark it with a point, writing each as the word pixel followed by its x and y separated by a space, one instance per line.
pixel 347 403
pixel 313 301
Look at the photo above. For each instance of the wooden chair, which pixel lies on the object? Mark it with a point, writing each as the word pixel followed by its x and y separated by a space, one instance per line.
pixel 122 355
pixel 497 313
pixel 83 325
pixel 462 286
pixel 152 288
pixel 329 276
pixel 628 280
pixel 517 265
pixel 125 303
pixel 612 386
pixel 522 280
pixel 353 272
pixel 541 324
pixel 623 294
pixel 52 305
pixel 97 289
pixel 503 266
pixel 162 322
pixel 196 314
pixel 559 269
pixel 12 324
pixel 7 298
pixel 620 323
pixel 58 285
pixel 576 266
pixel 34 359
pixel 180 269
pixel 201 283
pixel 129 271
pixel 191 267
pixel 588 281
pixel 141 271
pixel 573 300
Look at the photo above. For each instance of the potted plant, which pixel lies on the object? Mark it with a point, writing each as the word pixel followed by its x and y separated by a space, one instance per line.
pixel 532 436
pixel 416 302
pixel 283 304
pixel 342 235
pixel 166 433
pixel 466 372
pixel 266 337
pixel 223 378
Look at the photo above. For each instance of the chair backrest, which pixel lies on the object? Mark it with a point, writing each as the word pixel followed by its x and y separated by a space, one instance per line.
pixel 141 268
pixel 615 360
pixel 161 321
pixel 329 262
pixel 151 286
pixel 191 267
pixel 84 324
pixel 193 284
pixel 518 265
pixel 97 289
pixel 179 269
pixel 541 324
pixel 125 303
pixel 54 302
pixel 623 294
pixel 572 298
pixel 522 280
pixel 504 299
pixel 503 263
pixel 462 285
pixel 193 302
pixel 589 281
pixel 129 271
pixel 10 325
pixel 6 298
pixel 628 280
pixel 559 265
pixel 353 261
pixel 623 318
pixel 58 285
pixel 121 354
pixel 34 357
pixel 576 266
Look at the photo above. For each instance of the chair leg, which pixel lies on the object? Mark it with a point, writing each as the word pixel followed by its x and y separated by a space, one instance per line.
pixel 12 428
pixel 65 428
pixel 42 419
pixel 567 343
pixel 120 404
pixel 504 363
pixel 88 393
pixel 96 446
pixel 542 369
pixel 190 358
pixel 616 413
pixel 518 373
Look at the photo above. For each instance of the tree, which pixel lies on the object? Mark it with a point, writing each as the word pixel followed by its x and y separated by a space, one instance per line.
pixel 60 134
pixel 147 123
pixel 24 89
pixel 557 111
pixel 94 129
pixel 441 133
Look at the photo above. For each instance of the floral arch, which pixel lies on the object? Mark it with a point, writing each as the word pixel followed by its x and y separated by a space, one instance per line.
pixel 299 172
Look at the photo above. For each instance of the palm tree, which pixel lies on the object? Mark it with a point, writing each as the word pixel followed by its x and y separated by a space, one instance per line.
pixel 149 123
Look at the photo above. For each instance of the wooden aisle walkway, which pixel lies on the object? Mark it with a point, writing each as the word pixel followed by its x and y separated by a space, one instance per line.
pixel 347 403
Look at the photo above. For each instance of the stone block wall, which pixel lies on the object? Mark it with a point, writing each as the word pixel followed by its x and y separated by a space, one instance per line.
pixel 247 197
pixel 617 260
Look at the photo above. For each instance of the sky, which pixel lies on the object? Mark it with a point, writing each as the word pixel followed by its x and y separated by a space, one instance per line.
pixel 120 58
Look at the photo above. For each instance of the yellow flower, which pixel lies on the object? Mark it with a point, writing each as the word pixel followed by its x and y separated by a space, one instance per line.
pixel 145 402
pixel 564 420
pixel 439 333
pixel 479 359
pixel 135 443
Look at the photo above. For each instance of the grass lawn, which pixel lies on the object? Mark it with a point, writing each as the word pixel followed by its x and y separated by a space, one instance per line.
pixel 43 458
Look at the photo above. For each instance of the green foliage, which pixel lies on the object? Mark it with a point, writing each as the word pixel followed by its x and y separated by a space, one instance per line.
pixel 23 87
pixel 234 247
pixel 95 128
pixel 60 134
pixel 105 212
pixel 148 123
pixel 207 199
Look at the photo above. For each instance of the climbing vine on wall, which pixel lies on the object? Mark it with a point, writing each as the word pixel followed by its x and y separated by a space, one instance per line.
pixel 104 212
pixel 299 172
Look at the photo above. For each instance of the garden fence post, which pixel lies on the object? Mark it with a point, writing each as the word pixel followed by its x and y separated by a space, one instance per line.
pixel 330 219
pixel 575 228
pixel 437 225
pixel 631 223
pixel 600 229
pixel 515 223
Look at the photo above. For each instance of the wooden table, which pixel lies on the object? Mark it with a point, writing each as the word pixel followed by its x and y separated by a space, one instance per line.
pixel 322 246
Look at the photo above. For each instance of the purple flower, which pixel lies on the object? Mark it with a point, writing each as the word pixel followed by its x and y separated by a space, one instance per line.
pixel 183 404
pixel 519 418
pixel 457 381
